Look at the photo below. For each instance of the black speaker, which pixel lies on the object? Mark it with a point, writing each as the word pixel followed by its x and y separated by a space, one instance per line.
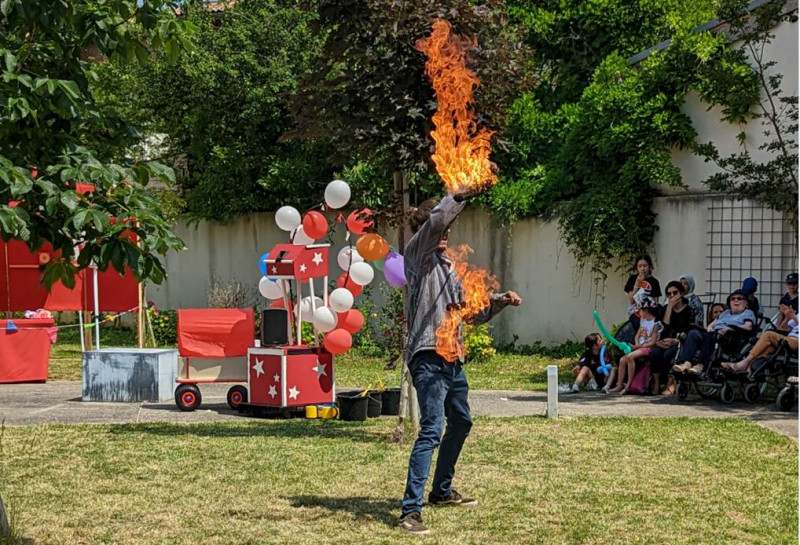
pixel 273 326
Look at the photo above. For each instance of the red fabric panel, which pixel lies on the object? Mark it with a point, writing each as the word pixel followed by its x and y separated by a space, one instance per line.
pixel 24 354
pixel 117 293
pixel 215 332
pixel 61 298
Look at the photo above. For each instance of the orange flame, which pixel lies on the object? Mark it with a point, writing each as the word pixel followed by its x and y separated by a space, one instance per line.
pixel 462 156
pixel 477 285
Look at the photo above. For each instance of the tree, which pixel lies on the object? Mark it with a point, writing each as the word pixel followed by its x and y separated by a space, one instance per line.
pixel 53 135
pixel 591 145
pixel 222 109
pixel 771 178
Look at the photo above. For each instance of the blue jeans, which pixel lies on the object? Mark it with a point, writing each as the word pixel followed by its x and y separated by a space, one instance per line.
pixel 442 392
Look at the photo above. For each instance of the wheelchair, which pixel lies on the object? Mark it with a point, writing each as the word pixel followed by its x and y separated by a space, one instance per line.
pixel 714 381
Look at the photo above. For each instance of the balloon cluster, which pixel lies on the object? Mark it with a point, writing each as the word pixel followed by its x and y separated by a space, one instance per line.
pixel 335 318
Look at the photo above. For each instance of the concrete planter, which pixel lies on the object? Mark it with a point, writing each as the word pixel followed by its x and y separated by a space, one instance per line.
pixel 129 374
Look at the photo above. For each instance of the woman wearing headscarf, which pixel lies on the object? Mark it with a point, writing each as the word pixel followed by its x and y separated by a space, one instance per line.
pixel 687 280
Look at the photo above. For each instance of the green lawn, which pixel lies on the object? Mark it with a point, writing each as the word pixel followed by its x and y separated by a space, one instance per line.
pixel 502 372
pixel 587 480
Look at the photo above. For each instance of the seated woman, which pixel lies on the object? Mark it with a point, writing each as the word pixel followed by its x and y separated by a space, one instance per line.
pixel 767 345
pixel 687 281
pixel 678 318
pixel 739 317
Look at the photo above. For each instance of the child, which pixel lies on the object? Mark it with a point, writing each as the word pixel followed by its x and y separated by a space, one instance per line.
pixel 646 338
pixel 587 371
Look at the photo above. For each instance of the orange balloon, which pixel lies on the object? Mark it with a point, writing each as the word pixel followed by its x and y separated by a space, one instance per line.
pixel 315 225
pixel 338 341
pixel 360 220
pixel 344 281
pixel 372 246
pixel 351 321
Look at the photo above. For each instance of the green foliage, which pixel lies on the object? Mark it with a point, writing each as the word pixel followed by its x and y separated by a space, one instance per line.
pixel 222 109
pixel 567 349
pixel 592 143
pixel 770 178
pixel 50 121
pixel 165 326
pixel 478 343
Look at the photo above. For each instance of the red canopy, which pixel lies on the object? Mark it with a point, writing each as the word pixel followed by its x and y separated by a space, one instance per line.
pixel 215 332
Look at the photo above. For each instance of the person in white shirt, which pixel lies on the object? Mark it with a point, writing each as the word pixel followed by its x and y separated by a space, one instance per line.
pixel 767 345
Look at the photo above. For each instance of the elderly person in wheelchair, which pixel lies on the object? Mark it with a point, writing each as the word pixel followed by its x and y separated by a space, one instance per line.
pixel 738 321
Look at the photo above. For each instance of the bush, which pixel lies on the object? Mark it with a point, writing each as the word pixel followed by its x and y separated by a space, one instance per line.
pixel 230 294
pixel 165 326
pixel 567 349
pixel 478 343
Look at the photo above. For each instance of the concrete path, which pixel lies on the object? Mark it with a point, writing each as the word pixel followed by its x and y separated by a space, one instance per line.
pixel 60 402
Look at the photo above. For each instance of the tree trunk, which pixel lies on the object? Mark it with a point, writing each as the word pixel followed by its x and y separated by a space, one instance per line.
pixel 409 408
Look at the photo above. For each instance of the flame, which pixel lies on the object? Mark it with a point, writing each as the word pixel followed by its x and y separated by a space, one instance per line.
pixel 462 155
pixel 477 285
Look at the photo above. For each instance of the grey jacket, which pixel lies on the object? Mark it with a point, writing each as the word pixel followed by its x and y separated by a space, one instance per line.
pixel 432 284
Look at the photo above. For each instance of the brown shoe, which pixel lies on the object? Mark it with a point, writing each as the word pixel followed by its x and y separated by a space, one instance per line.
pixel 453 498
pixel 412 523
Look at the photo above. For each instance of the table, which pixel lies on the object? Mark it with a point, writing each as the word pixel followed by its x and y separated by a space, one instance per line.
pixel 25 353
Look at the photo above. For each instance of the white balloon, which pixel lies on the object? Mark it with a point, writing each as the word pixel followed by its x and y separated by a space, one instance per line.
pixel 300 237
pixel 337 194
pixel 288 218
pixel 341 300
pixel 269 288
pixel 325 319
pixel 362 274
pixel 306 314
pixel 344 260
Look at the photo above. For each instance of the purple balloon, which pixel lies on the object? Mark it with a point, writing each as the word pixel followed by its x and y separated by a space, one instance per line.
pixel 394 270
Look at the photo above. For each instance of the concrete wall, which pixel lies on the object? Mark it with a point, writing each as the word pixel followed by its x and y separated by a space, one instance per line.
pixel 527 257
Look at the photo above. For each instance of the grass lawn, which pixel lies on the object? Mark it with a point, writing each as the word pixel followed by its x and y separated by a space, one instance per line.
pixel 586 480
pixel 503 372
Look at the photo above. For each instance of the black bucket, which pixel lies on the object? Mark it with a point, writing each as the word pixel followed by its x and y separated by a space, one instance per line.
pixel 375 404
pixel 352 406
pixel 391 402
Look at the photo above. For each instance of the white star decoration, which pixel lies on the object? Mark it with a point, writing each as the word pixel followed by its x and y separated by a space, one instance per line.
pixel 258 368
pixel 274 269
pixel 294 392
pixel 320 369
pixel 303 267
pixel 277 378
pixel 317 258
pixel 272 391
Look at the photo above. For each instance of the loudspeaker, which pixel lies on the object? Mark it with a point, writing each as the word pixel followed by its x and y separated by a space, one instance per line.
pixel 273 326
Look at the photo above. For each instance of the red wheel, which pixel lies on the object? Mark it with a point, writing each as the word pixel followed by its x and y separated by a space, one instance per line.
pixel 236 396
pixel 187 397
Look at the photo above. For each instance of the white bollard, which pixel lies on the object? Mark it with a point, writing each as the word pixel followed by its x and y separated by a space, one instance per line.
pixel 552 391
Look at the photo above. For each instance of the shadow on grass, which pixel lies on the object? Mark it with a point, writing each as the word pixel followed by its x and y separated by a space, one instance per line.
pixel 298 428
pixel 363 507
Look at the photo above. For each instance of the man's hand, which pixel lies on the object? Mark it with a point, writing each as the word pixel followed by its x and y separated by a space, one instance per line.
pixel 511 298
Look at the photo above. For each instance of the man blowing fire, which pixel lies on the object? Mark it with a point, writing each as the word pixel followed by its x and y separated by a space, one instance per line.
pixel 434 292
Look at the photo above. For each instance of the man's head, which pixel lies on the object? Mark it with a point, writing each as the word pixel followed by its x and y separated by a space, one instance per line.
pixel 421 215
pixel 791 283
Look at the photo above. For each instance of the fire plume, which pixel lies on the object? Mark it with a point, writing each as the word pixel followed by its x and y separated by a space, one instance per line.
pixel 477 284
pixel 462 151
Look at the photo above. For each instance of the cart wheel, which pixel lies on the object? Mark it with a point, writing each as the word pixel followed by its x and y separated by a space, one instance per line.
pixel 236 396
pixel 752 392
pixel 187 397
pixel 726 394
pixel 683 390
pixel 785 399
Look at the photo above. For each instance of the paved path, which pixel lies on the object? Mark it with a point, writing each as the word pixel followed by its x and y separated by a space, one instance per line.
pixel 60 402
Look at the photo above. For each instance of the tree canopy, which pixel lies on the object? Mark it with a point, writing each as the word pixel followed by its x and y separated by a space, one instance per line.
pixel 53 134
